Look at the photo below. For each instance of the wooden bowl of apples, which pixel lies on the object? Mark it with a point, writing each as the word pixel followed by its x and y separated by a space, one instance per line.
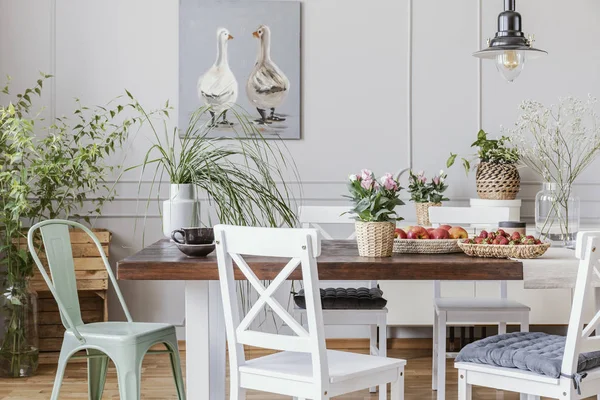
pixel 421 240
pixel 500 244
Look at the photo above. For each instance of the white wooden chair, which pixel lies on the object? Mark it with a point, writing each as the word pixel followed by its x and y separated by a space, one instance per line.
pixel 578 340
pixel 315 217
pixel 303 368
pixel 469 310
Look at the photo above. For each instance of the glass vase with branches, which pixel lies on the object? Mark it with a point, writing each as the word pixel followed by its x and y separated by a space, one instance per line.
pixel 558 142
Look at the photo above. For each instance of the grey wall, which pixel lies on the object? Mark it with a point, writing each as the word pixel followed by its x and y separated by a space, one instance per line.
pixel 355 69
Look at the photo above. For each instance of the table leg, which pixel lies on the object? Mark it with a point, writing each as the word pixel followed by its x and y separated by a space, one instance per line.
pixel 205 341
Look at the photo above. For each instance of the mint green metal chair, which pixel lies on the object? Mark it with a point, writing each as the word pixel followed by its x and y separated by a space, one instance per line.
pixel 125 343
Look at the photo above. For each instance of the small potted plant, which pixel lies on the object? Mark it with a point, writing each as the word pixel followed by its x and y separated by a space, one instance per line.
pixel 497 176
pixel 426 194
pixel 374 206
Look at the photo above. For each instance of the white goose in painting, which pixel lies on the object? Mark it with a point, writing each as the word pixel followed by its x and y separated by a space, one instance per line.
pixel 218 86
pixel 267 85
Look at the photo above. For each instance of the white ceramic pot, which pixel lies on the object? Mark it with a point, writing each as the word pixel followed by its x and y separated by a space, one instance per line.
pixel 181 210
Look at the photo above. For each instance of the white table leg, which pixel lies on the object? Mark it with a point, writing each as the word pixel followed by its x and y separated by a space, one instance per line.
pixel 205 341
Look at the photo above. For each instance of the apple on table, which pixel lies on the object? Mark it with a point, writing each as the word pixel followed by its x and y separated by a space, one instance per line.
pixel 399 234
pixel 457 232
pixel 417 232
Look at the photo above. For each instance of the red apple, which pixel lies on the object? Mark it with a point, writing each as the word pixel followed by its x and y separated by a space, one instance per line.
pixel 399 234
pixel 417 232
pixel 457 232
pixel 429 230
pixel 439 234
pixel 445 227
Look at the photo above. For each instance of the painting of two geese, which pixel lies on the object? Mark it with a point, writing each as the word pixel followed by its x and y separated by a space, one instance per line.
pixel 241 57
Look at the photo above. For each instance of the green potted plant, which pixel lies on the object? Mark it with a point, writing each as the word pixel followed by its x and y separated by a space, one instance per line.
pixel 497 176
pixel 374 209
pixel 426 194
pixel 242 177
pixel 45 172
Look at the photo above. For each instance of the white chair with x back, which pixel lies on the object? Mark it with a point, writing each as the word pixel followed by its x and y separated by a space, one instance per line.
pixel 303 367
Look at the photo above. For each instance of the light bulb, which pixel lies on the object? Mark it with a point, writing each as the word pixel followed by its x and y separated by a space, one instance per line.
pixel 510 64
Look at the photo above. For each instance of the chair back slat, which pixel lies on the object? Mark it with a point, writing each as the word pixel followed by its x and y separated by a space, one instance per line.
pixel 267 241
pixel 301 246
pixel 578 338
pixel 59 254
pixel 62 282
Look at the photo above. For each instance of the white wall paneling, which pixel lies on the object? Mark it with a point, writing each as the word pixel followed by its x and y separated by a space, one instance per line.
pixel 386 84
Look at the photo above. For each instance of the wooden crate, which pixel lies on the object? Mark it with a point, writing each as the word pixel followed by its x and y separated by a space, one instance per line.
pixel 92 285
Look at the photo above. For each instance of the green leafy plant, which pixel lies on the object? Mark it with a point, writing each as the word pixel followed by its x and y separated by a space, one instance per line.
pixel 423 191
pixel 243 177
pixel 374 201
pixel 495 151
pixel 47 170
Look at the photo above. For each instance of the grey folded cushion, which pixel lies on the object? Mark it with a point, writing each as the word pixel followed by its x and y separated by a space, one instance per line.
pixel 530 351
pixel 346 299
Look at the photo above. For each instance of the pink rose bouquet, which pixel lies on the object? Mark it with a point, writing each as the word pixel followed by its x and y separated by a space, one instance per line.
pixel 374 199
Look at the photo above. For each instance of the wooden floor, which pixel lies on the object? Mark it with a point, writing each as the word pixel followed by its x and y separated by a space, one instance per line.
pixel 157 383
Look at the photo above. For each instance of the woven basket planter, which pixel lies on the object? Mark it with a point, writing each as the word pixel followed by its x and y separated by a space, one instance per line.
pixel 423 212
pixel 375 239
pixel 426 246
pixel 497 181
pixel 500 251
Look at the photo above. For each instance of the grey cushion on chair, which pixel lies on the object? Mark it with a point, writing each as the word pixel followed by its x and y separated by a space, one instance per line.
pixel 530 351
pixel 346 299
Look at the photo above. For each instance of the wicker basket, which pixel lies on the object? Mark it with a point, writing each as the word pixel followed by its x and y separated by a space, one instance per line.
pixel 504 251
pixel 375 239
pixel 423 212
pixel 426 246
pixel 497 181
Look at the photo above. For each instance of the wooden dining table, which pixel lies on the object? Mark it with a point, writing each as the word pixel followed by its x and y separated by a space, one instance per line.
pixel 339 260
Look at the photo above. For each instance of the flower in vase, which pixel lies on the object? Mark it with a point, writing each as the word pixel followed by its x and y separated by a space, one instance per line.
pixel 366 174
pixel 353 178
pixel 388 182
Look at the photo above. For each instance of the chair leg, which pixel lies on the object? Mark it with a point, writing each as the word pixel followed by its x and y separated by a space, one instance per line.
pixel 383 352
pixel 464 389
pixel 434 353
pixel 525 323
pixel 397 392
pixel 501 328
pixel 129 373
pixel 97 368
pixel 441 356
pixel 60 372
pixel 373 348
pixel 176 367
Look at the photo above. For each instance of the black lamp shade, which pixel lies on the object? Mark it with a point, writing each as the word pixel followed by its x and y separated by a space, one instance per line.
pixel 509 36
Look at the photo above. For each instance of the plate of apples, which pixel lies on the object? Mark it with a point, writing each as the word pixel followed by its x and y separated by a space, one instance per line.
pixel 501 244
pixel 419 239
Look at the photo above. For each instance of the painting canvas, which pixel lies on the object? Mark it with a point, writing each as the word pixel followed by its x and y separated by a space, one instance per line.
pixel 241 56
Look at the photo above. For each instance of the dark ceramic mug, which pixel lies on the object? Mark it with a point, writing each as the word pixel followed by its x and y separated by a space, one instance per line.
pixel 194 235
